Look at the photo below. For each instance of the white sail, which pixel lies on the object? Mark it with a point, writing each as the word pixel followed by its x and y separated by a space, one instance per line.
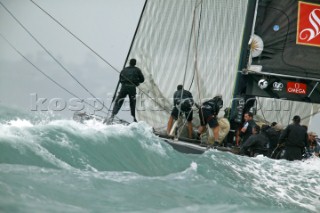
pixel 191 42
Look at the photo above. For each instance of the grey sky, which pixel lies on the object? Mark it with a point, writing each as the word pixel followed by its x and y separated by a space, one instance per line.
pixel 107 26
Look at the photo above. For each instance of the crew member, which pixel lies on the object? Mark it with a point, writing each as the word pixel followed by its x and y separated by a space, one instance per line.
pixel 208 113
pixel 294 137
pixel 130 78
pixel 255 144
pixel 182 101
pixel 246 130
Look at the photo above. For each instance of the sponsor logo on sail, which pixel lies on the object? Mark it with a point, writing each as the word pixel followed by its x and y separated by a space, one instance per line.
pixel 296 88
pixel 277 86
pixel 308 32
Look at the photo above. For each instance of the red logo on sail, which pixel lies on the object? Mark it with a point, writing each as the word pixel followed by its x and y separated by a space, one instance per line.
pixel 308 32
pixel 297 88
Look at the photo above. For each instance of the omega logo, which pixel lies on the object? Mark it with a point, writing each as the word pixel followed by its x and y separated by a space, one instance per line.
pixel 296 88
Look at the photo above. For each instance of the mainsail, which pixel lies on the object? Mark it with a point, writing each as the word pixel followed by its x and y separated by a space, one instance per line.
pixel 205 45
pixel 195 43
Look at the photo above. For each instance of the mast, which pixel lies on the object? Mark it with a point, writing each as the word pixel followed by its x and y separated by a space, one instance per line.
pixel 127 57
pixel 135 33
pixel 238 105
pixel 240 85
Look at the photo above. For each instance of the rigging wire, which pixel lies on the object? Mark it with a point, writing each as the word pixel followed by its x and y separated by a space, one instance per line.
pixel 82 42
pixel 186 67
pixel 59 23
pixel 76 37
pixel 130 48
pixel 196 41
pixel 43 73
pixel 188 51
pixel 50 54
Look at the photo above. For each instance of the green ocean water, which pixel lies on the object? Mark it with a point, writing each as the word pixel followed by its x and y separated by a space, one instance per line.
pixel 58 165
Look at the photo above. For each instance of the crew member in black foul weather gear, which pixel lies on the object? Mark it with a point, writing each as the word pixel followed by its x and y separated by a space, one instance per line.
pixel 208 113
pixel 294 138
pixel 130 78
pixel 255 144
pixel 182 101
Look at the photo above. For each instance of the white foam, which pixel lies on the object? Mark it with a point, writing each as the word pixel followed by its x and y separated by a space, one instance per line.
pixel 14 129
pixel 20 123
pixel 94 124
pixel 294 182
pixel 194 166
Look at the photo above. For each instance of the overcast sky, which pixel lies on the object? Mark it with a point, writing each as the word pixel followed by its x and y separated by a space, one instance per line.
pixel 106 26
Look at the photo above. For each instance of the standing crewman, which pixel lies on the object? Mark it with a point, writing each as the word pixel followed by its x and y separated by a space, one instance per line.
pixel 294 138
pixel 130 78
